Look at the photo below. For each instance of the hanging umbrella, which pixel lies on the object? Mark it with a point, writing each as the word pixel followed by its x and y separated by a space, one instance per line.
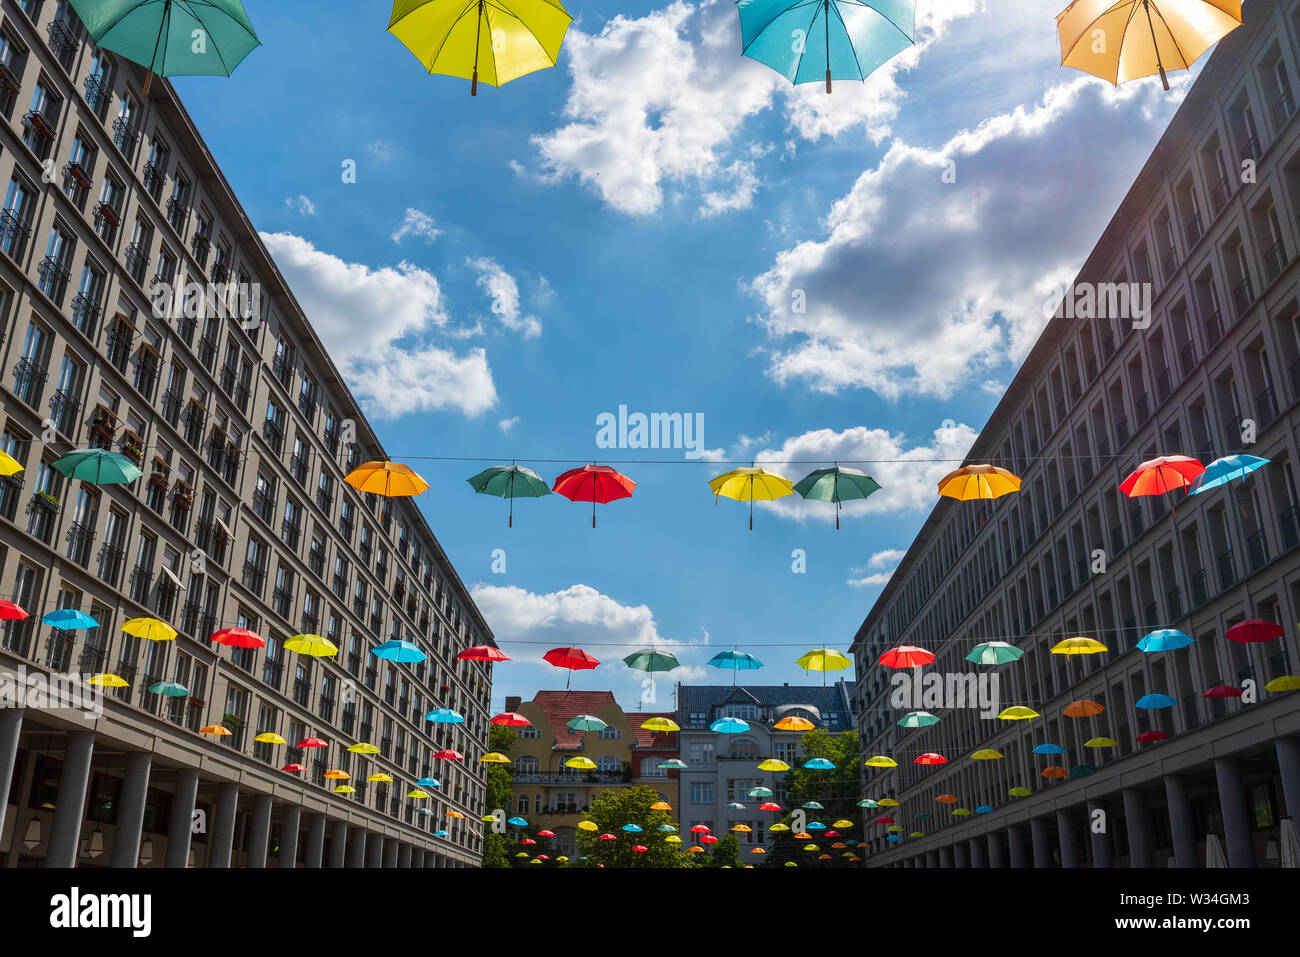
pixel 973 482
pixel 168 689
pixel 1083 708
pixel 237 638
pixel 1151 702
pixel 1223 691
pixel 760 792
pixel 363 747
pixel 672 764
pixel 1146 737
pixel 1162 474
pixel 1019 792
pixel 294 768
pixel 494 757
pixel 1164 639
pixel 270 737
pixel 586 722
pixel 793 722
pixel 457 37
pixel 661 724
pixel 69 619
pixel 173 37
pixel 510 719
pixel 1254 631
pixel 750 484
pixel 1053 771
pixel 773 764
pixel 445 716
pixel 509 481
pixel 1223 471
pixel 1082 770
pixel 108 681
pixel 918 719
pixel 9 465
pixel 1142 37
pixel 399 650
pixel 1078 646
pixel 729 726
pixel 1101 742
pixel 97 466
pixel 580 764
pixel 906 656
pixel 848 39
pixel 736 661
pixel 449 754
pixel 151 629
pixel 312 743
pixel 931 758
pixel 312 645
pixel 216 730
pixel 880 761
pixel 11 612
pixel 823 660
pixel 818 764
pixel 1283 683
pixel 651 661
pixel 595 484
pixel 994 653
pixel 389 479
pixel 836 485
pixel 574 659
pixel 483 653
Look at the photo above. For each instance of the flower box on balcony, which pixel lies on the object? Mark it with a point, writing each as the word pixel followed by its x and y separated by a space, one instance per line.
pixel 79 174
pixel 133 448
pixel 159 480
pixel 103 427
pixel 38 122
pixel 46 500
pixel 109 214
pixel 7 79
pixel 182 496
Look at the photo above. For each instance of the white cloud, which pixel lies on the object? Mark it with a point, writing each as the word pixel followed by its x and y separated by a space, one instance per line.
pixel 499 286
pixel 301 204
pixel 887 560
pixel 418 224
pixel 506 425
pixel 378 325
pixel 381 150
pixel 920 285
pixel 659 102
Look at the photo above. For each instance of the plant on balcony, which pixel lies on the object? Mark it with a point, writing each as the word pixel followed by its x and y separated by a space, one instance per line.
pixel 182 496
pixel 133 448
pixel 49 500
pixel 234 719
pixel 7 79
pixel 103 425
pixel 158 479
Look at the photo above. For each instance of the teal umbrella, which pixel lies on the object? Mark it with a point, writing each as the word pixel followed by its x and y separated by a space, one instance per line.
pixel 651 660
pixel 994 653
pixel 171 37
pixel 98 466
pixel 918 719
pixel 585 722
pixel 398 650
pixel 836 485
pixel 69 619
pixel 511 482
pixel 847 39
pixel 169 689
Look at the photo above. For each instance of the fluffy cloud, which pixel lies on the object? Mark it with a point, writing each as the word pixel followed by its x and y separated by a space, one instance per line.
pixel 378 326
pixel 499 286
pixel 920 284
pixel 418 224
pixel 887 560
pixel 301 204
pixel 506 425
pixel 660 100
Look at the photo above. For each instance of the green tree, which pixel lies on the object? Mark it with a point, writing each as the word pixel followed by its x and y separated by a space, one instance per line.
pixel 610 812
pixel 726 853
pixel 837 791
pixel 497 847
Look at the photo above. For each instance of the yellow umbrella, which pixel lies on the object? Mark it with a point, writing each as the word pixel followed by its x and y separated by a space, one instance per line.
pixel 380 776
pixel 1017 713
pixel 1078 646
pixel 823 660
pixel 881 761
pixel 672 839
pixel 661 724
pixel 363 748
pixel 110 681
pixel 661 806
pixel 843 823
pixel 978 481
pixel 750 484
pixel 345 789
pixel 588 826
pixel 774 764
pixel 421 795
pixel 793 723
pixel 494 757
pixel 987 754
pixel 270 737
pixel 1101 743
pixel 582 764
pixel 742 828
pixel 9 465
pixel 389 479
pixel 152 629
pixel 313 645
pixel 887 802
pixel 1121 40
pixel 1283 683
pixel 779 827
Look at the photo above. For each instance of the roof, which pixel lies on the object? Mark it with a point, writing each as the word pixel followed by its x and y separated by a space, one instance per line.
pixel 560 706
pixel 652 740
pixel 831 699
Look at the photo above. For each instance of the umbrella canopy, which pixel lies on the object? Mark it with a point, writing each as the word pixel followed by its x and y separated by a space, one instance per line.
pixel 510 719
pixel 483 653
pixel 835 484
pixel 729 726
pixel 841 39
pixel 97 466
pixel 237 638
pixel 1017 713
pixel 1101 742
pixel 494 757
pixel 793 722
pixel 880 761
pixel 973 482
pixel 400 650
pixel 595 484
pixel 389 479
pixel 1223 691
pixel 69 619
pixel 294 768
pixel 151 629
pixel 819 764
pixel 773 764
pixel 994 653
pixel 270 737
pixel 1146 737
pixel 168 689
pixel 906 656
pixel 445 716
pixel 110 681
pixel 661 724
pixel 312 645
pixel 11 612
pixel 574 659
pixel 735 661
pixel 1283 683
pixel 449 754
pixel 823 659
pixel 652 661
pixel 749 485
pixel 363 747
pixel 671 764
pixel 586 722
pixel 918 719
pixel 1150 702
pixel 1143 37
pixel 1049 748
pixel 931 757
pixel 1083 708
pixel 312 743
pixel 581 764
pixel 1162 474
pixel 164 38
pixel 1164 639
pixel 509 482
pixel 987 754
pixel 481 39
pixel 760 792
pixel 1224 470
pixel 1078 646
pixel 9 465
pixel 1254 631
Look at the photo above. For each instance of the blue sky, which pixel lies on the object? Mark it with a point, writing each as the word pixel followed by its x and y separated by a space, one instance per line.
pixel 632 228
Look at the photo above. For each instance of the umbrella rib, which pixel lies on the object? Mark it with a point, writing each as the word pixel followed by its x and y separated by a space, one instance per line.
pixel 470 5
pixel 780 13
pixel 1172 37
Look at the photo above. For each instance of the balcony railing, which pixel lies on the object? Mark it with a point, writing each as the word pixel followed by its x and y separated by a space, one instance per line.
pixel 124 135
pixel 141 581
pixel 85 314
pixel 111 561
pixel 1243 295
pixel 254 577
pixel 153 176
pixel 98 93
pixel 273 435
pixel 1275 260
pixel 137 261
pixel 63 41
pixel 176 211
pixel 208 351
pixel 1193 231
pixel 14 233
pixel 63 411
pixel 54 278
pixel 29 381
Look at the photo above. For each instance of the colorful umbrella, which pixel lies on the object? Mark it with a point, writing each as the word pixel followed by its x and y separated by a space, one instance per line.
pixel 574 659
pixel 918 719
pixel 509 482
pixel 823 660
pixel 836 485
pixel 595 484
pixel 994 653
pixel 510 719
pixel 1164 639
pixel 729 726
pixel 1223 471
pixel 97 466
pixel 585 722
pixel 973 482
pixel 483 653
pixel 660 724
pixel 313 645
pixel 445 716
pixel 237 638
pixel 793 722
pixel 389 479
pixel 11 612
pixel 652 661
pixel 168 689
pixel 151 629
pixel 736 661
pixel 9 465
pixel 399 650
pixel 69 619
pixel 1162 474
pixel 906 656
pixel 750 484
pixel 1254 631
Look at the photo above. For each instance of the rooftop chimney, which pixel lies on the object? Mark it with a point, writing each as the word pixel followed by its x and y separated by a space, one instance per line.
pixel 513 702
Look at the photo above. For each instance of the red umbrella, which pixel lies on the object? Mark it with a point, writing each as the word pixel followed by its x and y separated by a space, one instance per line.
pixel 1254 631
pixel 640 848
pixel 769 806
pixel 607 837
pixel 450 755
pixel 1146 737
pixel 699 829
pixel 294 768
pixel 575 659
pixel 311 743
pixel 708 839
pixel 546 834
pixel 237 638
pixel 906 656
pixel 528 840
pixel 11 612
pixel 883 819
pixel 1162 475
pixel 542 857
pixel 511 719
pixel 1223 691
pixel 931 758
pixel 483 653
pixel 594 483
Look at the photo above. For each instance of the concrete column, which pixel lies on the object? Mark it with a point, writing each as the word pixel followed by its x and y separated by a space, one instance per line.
pixel 960 855
pixel 1288 766
pixel 978 847
pixel 1135 824
pixel 180 827
pixel 1236 813
pixel 130 810
pixel 390 851
pixel 1065 838
pixel 997 852
pixel 404 856
pixel 70 804
pixel 931 859
pixel 1181 821
pixel 375 850
pixel 945 857
pixel 1038 837
pixel 357 847
pixel 1016 845
pixel 11 725
pixel 259 831
pixel 315 840
pixel 221 841
pixel 289 836
pixel 1102 842
pixel 338 845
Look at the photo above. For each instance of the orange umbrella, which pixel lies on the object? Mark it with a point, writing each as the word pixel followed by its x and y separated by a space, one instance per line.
pixel 947 799
pixel 1084 708
pixel 1054 771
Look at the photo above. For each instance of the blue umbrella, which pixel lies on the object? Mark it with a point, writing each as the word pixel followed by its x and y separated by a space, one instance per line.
pixel 632 828
pixel 1150 702
pixel 440 833
pixel 517 822
pixel 423 810
pixel 428 783
pixel 819 764
pixel 69 619
pixel 737 661
pixel 1049 748
pixel 1166 639
pixel 729 726
pixel 398 650
pixel 804 40
pixel 1223 470
pixel 444 716
pixel 816 826
pixel 984 809
pixel 894 838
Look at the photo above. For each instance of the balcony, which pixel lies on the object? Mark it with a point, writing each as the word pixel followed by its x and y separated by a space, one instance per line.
pixel 254 577
pixel 63 411
pixel 1193 231
pixel 39 132
pixel 14 233
pixel 1242 296
pixel 63 40
pixel 1227 569
pixel 176 211
pixel 1275 261
pixel 274 437
pixel 200 246
pixel 171 407
pixel 117 347
pixel 125 135
pixel 141 582
pixel 298 469
pixel 54 279
pixel 98 93
pixel 282 602
pixel 1281 110
pixel 220 271
pixel 290 534
pixel 137 261
pixel 29 381
pixel 85 314
pixel 111 561
pixel 186 326
pixel 1257 550
pixel 208 351
pixel 195 419
pixel 153 177
pixel 282 368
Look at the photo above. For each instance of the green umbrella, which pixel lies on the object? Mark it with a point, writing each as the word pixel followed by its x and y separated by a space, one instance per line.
pixel 586 722
pixel 171 37
pixel 994 653
pixel 98 466
pixel 510 481
pixel 651 660
pixel 836 485
pixel 168 689
pixel 918 719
